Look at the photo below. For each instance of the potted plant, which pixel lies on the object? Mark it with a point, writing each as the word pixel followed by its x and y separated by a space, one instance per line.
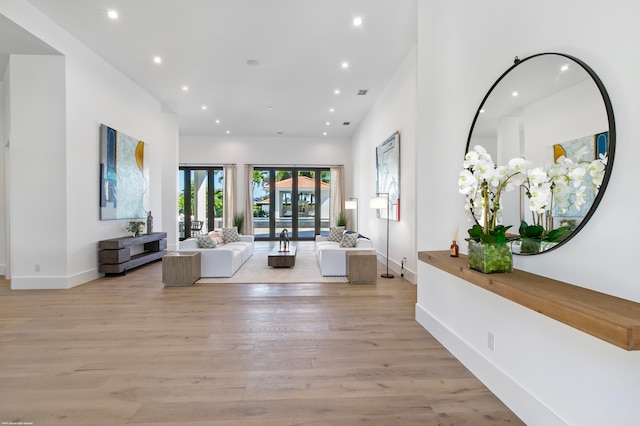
pixel 135 227
pixel 556 188
pixel 483 183
pixel 342 219
pixel 238 222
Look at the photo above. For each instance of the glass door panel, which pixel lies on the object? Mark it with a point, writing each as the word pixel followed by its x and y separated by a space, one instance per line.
pixel 324 204
pixel 181 197
pixel 306 210
pixel 284 201
pixel 261 203
pixel 199 188
pixel 216 212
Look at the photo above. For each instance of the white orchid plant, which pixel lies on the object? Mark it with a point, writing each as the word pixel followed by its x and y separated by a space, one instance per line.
pixel 563 183
pixel 559 186
pixel 482 183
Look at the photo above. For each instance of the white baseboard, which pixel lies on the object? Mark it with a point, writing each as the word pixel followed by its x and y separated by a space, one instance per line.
pixel 518 399
pixel 53 283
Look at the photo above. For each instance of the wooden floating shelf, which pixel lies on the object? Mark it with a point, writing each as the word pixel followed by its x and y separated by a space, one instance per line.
pixel 606 317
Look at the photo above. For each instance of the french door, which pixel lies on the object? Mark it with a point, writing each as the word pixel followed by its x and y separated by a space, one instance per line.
pixel 295 199
pixel 199 200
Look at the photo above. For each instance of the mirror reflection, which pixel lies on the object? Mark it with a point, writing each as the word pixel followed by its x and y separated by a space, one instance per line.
pixel 552 110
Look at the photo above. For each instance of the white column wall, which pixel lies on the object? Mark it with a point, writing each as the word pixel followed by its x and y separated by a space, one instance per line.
pixel 4 139
pixel 37 193
pixel 547 372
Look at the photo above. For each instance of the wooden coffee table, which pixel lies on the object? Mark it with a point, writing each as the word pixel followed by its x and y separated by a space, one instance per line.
pixel 282 259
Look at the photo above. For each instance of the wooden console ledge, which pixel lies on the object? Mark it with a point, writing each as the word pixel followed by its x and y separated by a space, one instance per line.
pixel 606 317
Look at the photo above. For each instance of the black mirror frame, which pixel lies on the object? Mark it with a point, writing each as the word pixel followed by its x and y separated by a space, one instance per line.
pixel 612 136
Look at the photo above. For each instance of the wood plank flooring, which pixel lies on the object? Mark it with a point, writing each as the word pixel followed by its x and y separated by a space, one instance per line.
pixel 126 350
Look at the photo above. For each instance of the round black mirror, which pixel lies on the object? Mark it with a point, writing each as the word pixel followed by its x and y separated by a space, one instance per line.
pixel 548 108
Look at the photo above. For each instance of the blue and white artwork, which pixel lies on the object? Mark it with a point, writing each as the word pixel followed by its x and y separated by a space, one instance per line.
pixel 123 176
pixel 388 175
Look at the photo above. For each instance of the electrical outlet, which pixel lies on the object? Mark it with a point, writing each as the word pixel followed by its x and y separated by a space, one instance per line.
pixel 491 341
pixel 37 267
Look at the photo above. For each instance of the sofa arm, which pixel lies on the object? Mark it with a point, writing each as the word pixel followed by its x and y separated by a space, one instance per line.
pixel 364 243
pixel 322 238
pixel 189 243
pixel 247 238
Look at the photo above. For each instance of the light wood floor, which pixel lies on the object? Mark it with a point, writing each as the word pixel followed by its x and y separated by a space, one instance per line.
pixel 126 350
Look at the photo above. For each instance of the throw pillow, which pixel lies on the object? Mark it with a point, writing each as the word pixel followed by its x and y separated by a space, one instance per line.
pixel 349 240
pixel 230 234
pixel 205 241
pixel 217 237
pixel 359 235
pixel 335 233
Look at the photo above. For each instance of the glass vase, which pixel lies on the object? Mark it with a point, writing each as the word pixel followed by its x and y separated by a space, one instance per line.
pixel 530 245
pixel 489 258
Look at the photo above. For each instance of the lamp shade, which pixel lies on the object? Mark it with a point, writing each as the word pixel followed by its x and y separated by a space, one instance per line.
pixel 351 204
pixel 378 202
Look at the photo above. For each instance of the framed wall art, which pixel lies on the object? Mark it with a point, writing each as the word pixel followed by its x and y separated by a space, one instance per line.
pixel 123 176
pixel 388 175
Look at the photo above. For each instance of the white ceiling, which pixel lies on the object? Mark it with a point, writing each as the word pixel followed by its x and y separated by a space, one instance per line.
pixel 205 44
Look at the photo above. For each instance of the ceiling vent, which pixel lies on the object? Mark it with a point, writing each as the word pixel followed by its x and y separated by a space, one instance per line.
pixel 362 92
pixel 346 123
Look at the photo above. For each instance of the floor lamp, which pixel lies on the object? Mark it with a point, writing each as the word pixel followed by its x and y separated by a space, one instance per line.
pixel 352 204
pixel 381 201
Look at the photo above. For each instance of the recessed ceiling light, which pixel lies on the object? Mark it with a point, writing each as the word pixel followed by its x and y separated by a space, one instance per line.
pixel 217 121
pixel 324 133
pixel 345 65
pixel 228 131
pixel 185 88
pixel 157 59
pixel 328 123
pixel 253 62
pixel 482 111
pixel 331 110
pixel 564 67
pixel 514 94
pixel 357 21
pixel 204 107
pixel 337 91
pixel 270 108
pixel 112 14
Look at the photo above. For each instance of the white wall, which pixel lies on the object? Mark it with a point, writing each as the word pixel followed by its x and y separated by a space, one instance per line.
pixel 95 93
pixel 4 138
pixel 265 151
pixel 394 110
pixel 548 373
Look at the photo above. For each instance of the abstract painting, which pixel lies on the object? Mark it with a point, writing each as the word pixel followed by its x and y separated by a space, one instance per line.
pixel 582 150
pixel 123 176
pixel 388 175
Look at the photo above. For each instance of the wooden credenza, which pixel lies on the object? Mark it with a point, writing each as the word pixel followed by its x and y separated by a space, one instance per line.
pixel 114 255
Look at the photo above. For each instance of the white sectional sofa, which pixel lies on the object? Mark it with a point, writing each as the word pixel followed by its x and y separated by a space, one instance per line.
pixel 223 260
pixel 332 258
